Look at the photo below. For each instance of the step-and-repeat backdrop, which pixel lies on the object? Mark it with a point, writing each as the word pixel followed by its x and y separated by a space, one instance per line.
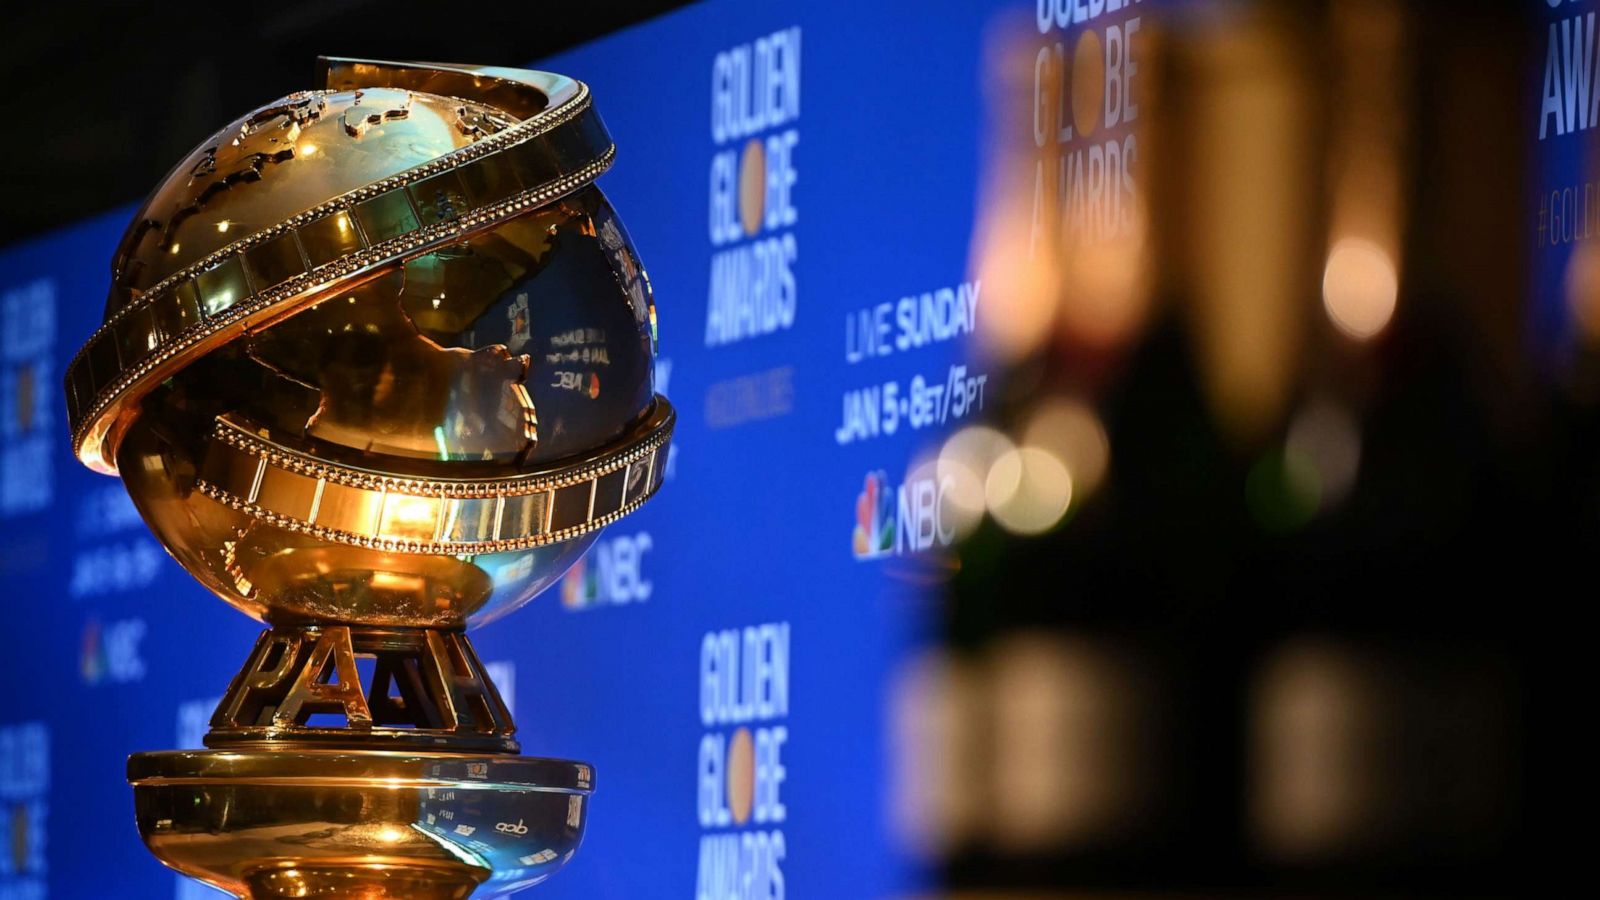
pixel 801 179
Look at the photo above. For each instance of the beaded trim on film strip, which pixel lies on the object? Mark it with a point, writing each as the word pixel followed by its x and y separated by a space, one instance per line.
pixel 504 175
pixel 300 492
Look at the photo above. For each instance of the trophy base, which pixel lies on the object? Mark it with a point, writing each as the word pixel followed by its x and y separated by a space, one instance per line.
pixel 374 824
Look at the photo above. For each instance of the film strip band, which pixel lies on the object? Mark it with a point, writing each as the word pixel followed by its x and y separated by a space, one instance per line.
pixel 304 493
pixel 266 274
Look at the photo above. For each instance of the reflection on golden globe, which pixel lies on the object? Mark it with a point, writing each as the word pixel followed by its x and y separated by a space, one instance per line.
pixel 377 365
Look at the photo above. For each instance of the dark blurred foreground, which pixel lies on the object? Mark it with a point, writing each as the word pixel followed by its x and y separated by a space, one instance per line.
pixel 1275 573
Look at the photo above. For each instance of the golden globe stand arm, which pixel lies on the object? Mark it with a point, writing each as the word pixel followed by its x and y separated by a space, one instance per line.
pixel 376 366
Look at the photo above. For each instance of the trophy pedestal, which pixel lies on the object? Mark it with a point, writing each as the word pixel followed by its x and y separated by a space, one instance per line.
pixel 268 824
pixel 321 783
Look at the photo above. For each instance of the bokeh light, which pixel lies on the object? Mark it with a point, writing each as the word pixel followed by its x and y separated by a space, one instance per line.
pixel 963 467
pixel 1582 289
pixel 1283 490
pixel 1071 431
pixel 1028 490
pixel 1325 435
pixel 1359 288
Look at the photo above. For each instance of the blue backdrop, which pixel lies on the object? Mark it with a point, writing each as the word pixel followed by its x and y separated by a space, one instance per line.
pixel 783 528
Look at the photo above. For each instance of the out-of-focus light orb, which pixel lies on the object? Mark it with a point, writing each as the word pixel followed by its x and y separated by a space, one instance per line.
pixel 1582 288
pixel 1028 490
pixel 1104 297
pixel 937 728
pixel 1283 491
pixel 1316 748
pixel 1325 435
pixel 1359 288
pixel 1020 287
pixel 1070 430
pixel 963 467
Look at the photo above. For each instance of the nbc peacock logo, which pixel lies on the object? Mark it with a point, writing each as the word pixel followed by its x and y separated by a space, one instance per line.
pixel 91 656
pixel 579 587
pixel 110 653
pixel 875 524
pixel 612 574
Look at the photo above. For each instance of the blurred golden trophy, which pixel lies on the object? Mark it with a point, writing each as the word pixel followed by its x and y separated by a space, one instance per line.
pixel 376 366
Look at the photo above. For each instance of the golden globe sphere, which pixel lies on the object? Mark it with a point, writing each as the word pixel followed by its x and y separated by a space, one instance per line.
pixel 372 356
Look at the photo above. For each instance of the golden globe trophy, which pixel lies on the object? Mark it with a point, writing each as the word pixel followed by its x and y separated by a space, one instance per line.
pixel 376 366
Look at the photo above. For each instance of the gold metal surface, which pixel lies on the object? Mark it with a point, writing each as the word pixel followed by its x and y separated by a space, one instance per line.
pixel 243 233
pixel 333 823
pixel 303 686
pixel 520 92
pixel 433 515
pixel 377 364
